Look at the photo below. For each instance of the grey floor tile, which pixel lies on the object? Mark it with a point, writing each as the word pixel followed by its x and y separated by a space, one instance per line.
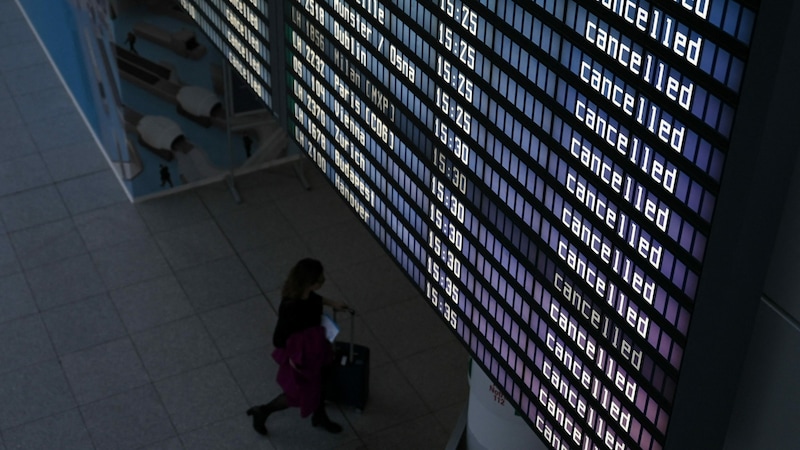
pixel 128 421
pixel 315 210
pixel 194 244
pixel 83 324
pixel 371 284
pixel 47 243
pixel 14 136
pixel 33 392
pixel 55 132
pixel 44 103
pixel 23 173
pixel 15 32
pixel 18 142
pixel 9 12
pixel 173 443
pixel 443 391
pixel 75 160
pixel 218 199
pixel 175 348
pixel 4 92
pixel 201 397
pixel 235 433
pixel 217 283
pixel 173 211
pixel 422 432
pixel 92 191
pixel 66 281
pixel 24 54
pixel 28 84
pixel 255 373
pixel 242 326
pixel 150 303
pixel 24 342
pixel 31 208
pixel 282 182
pixel 448 417
pixel 62 431
pixel 270 263
pixel 253 226
pixel 392 401
pixel 355 444
pixel 407 328
pixel 130 262
pixel 17 298
pixel 343 244
pixel 275 297
pixel 104 370
pixel 110 225
pixel 9 264
pixel 289 431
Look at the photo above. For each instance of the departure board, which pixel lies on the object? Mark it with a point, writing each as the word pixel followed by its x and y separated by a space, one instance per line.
pixel 545 172
pixel 240 29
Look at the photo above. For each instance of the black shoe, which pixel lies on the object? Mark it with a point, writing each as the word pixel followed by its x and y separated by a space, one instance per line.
pixel 259 419
pixel 326 423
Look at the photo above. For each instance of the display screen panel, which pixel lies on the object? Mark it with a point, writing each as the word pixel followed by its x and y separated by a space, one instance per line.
pixel 240 29
pixel 544 171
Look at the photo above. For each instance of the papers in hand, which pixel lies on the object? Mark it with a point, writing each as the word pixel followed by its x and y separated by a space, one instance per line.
pixel 331 327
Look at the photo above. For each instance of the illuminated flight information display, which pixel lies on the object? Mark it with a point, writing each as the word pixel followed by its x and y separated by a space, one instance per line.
pixel 545 171
pixel 240 29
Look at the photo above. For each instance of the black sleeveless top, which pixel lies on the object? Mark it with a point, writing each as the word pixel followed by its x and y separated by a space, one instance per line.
pixel 296 315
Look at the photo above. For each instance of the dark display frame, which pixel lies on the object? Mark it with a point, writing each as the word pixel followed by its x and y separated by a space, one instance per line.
pixel 324 57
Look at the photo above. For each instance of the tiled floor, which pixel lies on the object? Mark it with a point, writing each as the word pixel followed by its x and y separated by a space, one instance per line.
pixel 148 326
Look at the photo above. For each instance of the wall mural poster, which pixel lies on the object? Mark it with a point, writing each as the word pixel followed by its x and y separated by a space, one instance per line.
pixel 152 88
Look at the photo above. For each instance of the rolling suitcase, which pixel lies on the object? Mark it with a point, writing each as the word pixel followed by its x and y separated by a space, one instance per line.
pixel 348 383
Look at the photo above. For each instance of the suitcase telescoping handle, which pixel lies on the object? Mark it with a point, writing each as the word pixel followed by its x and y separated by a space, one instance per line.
pixel 352 330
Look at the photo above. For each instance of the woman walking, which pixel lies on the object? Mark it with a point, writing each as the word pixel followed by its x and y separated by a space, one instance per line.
pixel 302 351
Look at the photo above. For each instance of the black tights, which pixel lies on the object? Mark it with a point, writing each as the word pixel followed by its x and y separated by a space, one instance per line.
pixel 262 412
pixel 319 418
pixel 278 403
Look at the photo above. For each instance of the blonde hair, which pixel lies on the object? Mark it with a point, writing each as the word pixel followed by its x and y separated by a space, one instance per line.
pixel 303 275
